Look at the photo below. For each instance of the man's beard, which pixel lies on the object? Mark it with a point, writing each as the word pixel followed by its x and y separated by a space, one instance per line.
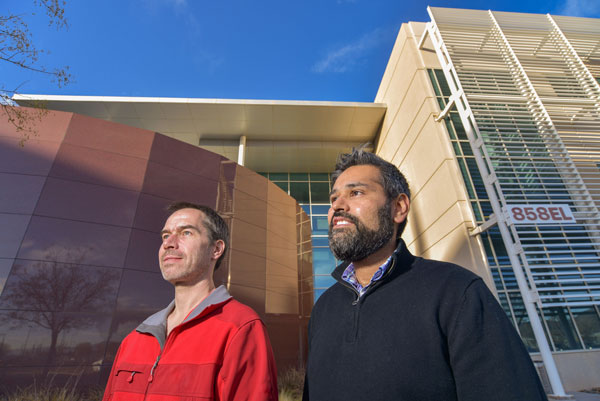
pixel 353 245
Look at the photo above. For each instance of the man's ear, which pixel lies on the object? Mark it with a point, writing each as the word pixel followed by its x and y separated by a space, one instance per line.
pixel 218 250
pixel 400 207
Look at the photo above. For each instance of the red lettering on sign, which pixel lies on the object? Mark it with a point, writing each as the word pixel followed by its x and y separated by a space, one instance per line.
pixel 529 213
pixel 562 213
pixel 518 213
pixel 554 212
pixel 542 213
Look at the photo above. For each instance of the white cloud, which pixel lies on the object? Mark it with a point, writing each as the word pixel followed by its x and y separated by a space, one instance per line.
pixel 207 61
pixel 155 6
pixel 183 11
pixel 178 3
pixel 580 8
pixel 346 57
pixel 179 8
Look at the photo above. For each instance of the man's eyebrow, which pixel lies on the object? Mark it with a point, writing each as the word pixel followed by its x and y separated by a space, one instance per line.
pixel 351 185
pixel 181 228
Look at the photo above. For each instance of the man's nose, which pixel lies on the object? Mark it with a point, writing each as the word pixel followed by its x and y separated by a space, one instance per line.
pixel 340 203
pixel 170 241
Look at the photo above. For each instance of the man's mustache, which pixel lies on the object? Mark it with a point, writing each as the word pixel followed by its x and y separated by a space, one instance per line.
pixel 345 215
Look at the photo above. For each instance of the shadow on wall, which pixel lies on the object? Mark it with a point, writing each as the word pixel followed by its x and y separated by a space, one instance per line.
pixel 81 208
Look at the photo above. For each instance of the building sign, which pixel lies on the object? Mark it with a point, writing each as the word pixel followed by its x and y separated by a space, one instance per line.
pixel 541 214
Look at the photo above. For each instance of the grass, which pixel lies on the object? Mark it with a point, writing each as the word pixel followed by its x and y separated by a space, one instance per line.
pixel 45 393
pixel 291 383
pixel 51 392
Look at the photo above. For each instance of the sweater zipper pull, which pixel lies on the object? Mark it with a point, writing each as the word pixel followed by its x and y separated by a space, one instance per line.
pixel 151 377
pixel 130 379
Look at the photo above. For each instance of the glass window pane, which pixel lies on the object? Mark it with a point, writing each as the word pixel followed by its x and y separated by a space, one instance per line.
pixel 442 82
pixel 561 329
pixel 320 209
pixel 299 191
pixel 320 241
pixel 588 323
pixel 319 177
pixel 465 174
pixel 466 148
pixel 456 148
pixel 319 191
pixel 476 210
pixel 477 179
pixel 283 185
pixel 323 261
pixel 278 176
pixel 324 281
pixel 306 209
pixel 458 126
pixel 522 321
pixel 320 225
pixel 436 89
pixel 298 176
pixel 450 129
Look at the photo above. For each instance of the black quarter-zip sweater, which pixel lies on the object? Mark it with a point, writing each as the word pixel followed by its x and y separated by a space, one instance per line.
pixel 428 330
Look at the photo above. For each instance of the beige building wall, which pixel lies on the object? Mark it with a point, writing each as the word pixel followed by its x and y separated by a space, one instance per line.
pixel 441 217
pixel 578 370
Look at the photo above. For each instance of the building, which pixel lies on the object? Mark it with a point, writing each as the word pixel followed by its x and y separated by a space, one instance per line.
pixel 506 108
pixel 81 209
pixel 494 117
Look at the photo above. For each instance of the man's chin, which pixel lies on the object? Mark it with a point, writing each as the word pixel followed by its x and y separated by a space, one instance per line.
pixel 341 231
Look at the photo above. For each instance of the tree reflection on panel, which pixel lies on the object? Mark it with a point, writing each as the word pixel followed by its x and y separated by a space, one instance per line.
pixel 55 296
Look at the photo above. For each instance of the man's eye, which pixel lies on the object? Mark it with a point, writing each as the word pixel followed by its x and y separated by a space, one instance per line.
pixel 354 193
pixel 164 236
pixel 186 233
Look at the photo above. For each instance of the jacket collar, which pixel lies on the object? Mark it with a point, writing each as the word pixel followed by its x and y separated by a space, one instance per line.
pixel 401 262
pixel 156 324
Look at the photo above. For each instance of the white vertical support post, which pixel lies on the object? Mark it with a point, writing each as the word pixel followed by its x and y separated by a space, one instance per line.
pixel 242 150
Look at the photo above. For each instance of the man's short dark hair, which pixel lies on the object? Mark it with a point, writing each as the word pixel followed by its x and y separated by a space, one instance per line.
pixel 214 224
pixel 393 181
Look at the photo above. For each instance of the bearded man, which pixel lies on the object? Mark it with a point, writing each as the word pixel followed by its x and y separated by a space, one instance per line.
pixel 399 327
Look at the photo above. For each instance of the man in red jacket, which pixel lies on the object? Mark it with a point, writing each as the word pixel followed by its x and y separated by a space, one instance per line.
pixel 204 345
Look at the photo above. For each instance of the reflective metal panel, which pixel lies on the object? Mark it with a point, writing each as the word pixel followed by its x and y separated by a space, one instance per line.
pixel 82 206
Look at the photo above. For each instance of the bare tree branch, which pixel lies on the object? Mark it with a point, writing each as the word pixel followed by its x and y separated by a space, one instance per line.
pixel 17 47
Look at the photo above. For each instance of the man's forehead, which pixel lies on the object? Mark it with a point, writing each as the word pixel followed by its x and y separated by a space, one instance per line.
pixel 363 175
pixel 187 216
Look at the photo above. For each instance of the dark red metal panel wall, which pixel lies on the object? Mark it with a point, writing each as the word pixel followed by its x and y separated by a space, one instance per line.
pixel 81 206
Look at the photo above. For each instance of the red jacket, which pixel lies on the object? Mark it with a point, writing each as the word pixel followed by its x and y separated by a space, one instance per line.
pixel 221 351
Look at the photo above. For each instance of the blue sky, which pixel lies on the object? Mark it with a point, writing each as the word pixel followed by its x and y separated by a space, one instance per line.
pixel 334 50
